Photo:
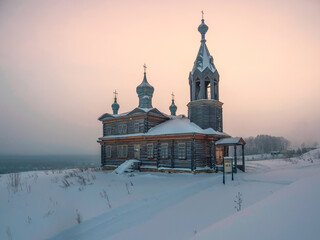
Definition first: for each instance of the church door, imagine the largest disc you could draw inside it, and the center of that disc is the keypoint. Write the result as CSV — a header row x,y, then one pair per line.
x,y
137,152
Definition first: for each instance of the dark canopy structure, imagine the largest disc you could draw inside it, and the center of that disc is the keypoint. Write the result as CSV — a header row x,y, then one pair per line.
x,y
228,142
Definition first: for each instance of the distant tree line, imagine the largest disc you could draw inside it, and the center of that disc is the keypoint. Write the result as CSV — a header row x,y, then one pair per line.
x,y
301,150
265,144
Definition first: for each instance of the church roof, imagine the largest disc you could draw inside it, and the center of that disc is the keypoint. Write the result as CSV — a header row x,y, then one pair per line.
x,y
204,60
134,111
177,125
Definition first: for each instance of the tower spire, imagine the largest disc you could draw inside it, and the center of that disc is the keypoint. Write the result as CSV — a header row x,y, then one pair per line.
x,y
204,86
204,59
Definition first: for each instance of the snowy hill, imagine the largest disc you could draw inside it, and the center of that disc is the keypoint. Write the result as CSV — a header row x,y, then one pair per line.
x,y
279,201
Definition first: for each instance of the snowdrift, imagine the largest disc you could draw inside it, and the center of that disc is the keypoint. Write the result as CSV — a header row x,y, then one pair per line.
x,y
127,166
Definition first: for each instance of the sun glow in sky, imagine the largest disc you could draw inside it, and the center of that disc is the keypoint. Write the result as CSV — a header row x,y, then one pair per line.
x,y
60,61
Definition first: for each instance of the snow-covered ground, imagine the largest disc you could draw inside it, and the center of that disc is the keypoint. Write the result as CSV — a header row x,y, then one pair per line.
x,y
280,200
263,156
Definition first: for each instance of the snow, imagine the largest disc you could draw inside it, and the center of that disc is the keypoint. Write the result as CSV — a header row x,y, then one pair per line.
x,y
120,114
292,213
127,166
109,115
146,109
280,201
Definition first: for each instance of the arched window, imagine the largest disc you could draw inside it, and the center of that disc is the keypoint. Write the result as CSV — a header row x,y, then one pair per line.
x,y
216,90
208,91
197,90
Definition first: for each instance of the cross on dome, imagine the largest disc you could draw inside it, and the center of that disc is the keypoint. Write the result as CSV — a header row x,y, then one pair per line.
x,y
145,68
115,106
115,94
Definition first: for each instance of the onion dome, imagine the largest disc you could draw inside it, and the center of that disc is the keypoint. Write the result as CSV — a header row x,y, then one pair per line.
x,y
173,107
145,93
203,28
115,106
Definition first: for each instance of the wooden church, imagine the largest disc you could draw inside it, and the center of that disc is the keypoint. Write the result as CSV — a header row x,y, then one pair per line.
x,y
171,143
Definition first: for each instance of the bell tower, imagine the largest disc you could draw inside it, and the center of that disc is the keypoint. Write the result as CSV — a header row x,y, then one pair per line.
x,y
204,108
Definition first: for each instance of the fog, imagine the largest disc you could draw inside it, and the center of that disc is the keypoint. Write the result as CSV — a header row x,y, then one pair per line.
x,y
60,61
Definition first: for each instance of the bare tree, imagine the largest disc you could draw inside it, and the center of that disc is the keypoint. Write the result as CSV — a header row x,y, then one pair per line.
x,y
65,183
29,220
9,234
78,217
104,195
14,181
127,187
238,202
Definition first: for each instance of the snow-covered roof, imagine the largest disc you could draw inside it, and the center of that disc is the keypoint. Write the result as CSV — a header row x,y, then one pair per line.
x,y
180,125
109,115
136,110
230,141
146,109
177,125
204,59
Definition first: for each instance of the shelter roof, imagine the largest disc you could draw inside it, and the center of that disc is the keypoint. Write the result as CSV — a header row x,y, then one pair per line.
x,y
231,141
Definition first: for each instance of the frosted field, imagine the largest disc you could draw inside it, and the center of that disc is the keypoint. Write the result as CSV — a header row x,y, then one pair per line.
x,y
280,200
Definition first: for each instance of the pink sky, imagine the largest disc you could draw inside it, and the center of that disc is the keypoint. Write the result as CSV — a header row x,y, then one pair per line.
x,y
60,61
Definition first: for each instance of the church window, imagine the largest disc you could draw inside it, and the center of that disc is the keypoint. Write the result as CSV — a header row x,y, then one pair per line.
x,y
122,151
150,150
108,151
122,129
136,127
164,150
182,150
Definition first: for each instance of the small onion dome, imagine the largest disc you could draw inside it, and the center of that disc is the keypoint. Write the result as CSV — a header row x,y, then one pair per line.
x,y
173,108
115,106
203,28
145,93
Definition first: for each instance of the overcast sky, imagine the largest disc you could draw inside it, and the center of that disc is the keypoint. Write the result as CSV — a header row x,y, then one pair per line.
x,y
60,61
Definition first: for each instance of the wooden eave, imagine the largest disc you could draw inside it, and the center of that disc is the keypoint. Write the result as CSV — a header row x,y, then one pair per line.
x,y
196,136
206,101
